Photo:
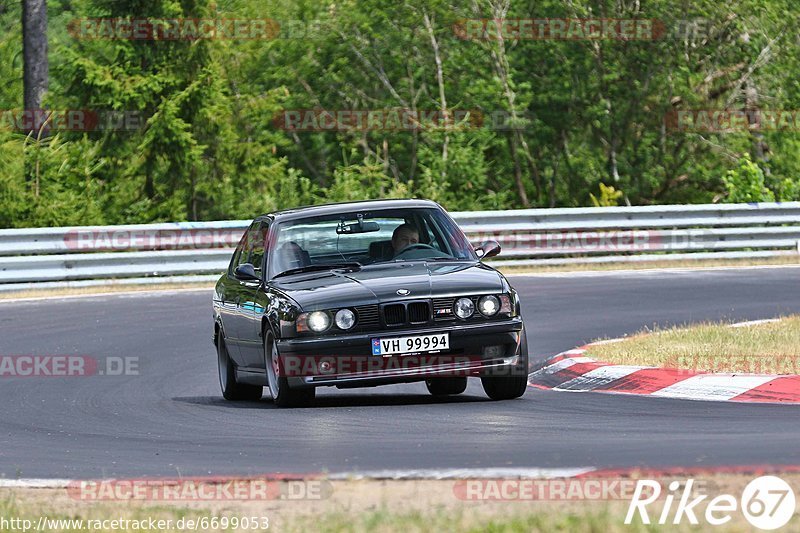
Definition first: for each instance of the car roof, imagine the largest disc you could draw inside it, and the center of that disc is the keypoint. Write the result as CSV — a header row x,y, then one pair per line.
x,y
343,207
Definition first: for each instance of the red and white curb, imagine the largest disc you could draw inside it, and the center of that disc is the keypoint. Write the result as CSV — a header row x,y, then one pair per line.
x,y
571,371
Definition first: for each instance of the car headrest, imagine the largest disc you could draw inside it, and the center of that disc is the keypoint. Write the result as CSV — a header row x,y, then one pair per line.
x,y
381,250
291,255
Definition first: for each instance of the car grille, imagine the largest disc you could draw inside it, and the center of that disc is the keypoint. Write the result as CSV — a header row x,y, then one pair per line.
x,y
418,312
443,308
413,313
407,313
368,317
394,315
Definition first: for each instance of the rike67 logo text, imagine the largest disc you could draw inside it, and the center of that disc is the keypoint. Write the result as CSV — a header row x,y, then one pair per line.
x,y
767,503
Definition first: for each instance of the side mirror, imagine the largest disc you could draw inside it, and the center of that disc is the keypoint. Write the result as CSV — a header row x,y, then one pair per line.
x,y
487,249
246,272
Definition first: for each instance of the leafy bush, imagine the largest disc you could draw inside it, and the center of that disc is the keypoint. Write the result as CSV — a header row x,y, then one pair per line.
x,y
746,183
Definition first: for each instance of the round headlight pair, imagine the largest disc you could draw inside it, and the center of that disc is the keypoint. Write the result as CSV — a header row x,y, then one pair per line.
x,y
319,321
487,305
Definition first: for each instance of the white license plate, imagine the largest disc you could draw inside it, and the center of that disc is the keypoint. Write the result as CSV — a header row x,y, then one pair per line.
x,y
412,344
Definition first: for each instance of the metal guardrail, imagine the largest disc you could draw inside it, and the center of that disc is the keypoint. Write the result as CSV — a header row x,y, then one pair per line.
x,y
147,253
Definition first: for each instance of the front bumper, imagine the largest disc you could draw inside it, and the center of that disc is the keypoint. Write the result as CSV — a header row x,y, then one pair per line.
x,y
491,348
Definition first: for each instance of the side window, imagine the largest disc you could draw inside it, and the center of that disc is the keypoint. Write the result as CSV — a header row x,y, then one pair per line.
x,y
240,255
245,247
258,245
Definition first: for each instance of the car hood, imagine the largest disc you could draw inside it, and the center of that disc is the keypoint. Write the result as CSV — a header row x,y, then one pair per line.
x,y
379,283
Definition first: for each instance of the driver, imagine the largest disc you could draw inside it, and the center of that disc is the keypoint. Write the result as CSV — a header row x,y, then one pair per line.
x,y
404,235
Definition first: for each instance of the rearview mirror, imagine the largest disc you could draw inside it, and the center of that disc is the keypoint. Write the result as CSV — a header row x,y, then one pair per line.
x,y
246,272
488,249
358,227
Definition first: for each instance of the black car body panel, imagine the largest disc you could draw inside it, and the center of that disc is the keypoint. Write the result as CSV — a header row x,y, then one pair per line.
x,y
379,283
418,294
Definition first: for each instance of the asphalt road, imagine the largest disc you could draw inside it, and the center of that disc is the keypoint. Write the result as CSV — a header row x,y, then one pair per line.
x,y
170,419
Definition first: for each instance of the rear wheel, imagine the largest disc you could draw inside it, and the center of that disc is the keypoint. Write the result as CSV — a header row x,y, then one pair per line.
x,y
446,386
231,390
282,394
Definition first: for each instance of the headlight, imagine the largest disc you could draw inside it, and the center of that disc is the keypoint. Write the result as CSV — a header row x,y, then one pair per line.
x,y
318,321
345,319
489,305
315,321
464,308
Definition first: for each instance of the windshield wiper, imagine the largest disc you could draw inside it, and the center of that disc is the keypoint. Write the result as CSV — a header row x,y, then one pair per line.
x,y
312,268
425,259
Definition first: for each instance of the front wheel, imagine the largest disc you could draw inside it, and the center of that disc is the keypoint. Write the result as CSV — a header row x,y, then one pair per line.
x,y
231,390
504,387
515,385
282,394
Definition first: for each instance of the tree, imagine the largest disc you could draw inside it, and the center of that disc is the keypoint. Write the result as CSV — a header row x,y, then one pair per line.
x,y
34,52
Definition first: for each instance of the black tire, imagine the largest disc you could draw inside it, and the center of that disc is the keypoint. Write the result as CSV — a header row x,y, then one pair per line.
x,y
446,386
231,390
505,387
510,386
282,394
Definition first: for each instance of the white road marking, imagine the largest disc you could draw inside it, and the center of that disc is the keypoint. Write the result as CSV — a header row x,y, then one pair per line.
x,y
754,322
467,473
422,473
599,377
607,341
32,483
713,386
560,365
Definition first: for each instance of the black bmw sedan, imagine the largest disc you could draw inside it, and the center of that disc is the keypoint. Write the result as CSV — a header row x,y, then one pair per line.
x,y
362,294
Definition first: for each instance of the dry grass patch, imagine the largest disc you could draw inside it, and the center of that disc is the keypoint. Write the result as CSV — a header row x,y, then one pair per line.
x,y
791,260
103,289
387,506
767,348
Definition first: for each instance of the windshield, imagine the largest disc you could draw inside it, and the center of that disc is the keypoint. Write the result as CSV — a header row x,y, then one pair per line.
x,y
367,237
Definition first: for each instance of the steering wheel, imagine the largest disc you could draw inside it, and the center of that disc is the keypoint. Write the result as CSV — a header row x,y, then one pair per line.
x,y
417,246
